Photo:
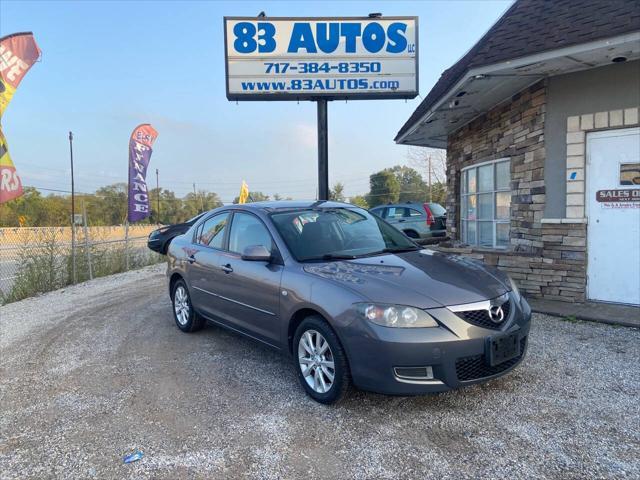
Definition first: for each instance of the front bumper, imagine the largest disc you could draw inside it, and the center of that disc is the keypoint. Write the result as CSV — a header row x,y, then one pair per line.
x,y
455,352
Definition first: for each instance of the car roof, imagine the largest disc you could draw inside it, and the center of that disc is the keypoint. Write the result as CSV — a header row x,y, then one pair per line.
x,y
272,205
407,204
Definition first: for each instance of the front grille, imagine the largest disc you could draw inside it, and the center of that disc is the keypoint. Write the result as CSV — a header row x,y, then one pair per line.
x,y
476,367
482,319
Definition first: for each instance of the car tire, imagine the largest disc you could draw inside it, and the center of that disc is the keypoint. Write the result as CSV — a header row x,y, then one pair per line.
x,y
323,383
411,234
184,315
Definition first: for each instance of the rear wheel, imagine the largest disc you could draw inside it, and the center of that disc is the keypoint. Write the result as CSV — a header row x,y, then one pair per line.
x,y
185,316
411,234
320,361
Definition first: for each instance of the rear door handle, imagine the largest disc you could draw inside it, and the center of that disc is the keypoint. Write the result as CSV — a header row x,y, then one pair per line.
x,y
226,268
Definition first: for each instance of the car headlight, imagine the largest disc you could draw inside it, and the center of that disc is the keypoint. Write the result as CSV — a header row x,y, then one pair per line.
x,y
399,316
514,289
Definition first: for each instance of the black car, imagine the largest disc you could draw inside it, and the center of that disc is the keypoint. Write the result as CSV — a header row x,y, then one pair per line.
x,y
160,238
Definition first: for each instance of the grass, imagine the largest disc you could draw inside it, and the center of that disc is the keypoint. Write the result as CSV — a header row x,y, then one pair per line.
x,y
47,263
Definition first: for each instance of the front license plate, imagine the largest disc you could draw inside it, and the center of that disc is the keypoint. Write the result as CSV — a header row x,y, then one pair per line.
x,y
503,348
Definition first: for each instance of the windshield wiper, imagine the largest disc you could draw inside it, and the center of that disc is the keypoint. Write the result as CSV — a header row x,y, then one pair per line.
x,y
399,249
392,250
330,256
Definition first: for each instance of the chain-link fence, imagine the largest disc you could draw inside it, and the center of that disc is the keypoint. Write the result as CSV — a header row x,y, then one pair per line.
x,y
36,260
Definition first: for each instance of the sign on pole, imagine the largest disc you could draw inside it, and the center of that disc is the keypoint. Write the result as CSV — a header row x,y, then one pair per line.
x,y
280,58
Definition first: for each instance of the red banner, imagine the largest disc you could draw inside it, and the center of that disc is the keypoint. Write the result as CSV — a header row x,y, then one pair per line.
x,y
18,52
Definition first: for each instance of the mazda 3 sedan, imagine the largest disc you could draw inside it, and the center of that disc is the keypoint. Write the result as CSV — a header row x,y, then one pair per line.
x,y
351,299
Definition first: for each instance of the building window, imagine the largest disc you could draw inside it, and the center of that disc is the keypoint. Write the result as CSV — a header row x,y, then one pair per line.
x,y
485,204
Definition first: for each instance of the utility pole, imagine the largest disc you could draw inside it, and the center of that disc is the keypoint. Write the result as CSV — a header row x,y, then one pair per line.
x,y
195,197
429,175
73,212
323,150
158,190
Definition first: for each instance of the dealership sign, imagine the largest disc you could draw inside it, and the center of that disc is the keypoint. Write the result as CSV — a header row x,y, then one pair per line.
x,y
621,198
311,58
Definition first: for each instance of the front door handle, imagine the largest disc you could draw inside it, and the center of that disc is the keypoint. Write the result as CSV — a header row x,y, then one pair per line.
x,y
226,268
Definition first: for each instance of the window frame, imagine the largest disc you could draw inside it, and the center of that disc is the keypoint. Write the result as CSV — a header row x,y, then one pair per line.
x,y
465,195
274,247
198,229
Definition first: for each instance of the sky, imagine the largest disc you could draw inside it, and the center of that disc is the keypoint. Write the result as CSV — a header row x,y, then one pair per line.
x,y
108,66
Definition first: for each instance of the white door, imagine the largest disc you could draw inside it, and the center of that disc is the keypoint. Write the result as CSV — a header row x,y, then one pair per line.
x,y
613,211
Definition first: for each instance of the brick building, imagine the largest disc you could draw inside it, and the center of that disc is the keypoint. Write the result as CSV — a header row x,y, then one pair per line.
x,y
540,122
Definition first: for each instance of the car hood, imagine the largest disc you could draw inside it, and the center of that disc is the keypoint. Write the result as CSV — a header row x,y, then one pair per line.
x,y
423,279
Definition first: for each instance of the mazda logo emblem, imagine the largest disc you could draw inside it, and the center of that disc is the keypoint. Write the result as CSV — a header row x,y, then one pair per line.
x,y
496,314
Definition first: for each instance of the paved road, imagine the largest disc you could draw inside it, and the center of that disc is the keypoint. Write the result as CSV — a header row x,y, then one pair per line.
x,y
92,372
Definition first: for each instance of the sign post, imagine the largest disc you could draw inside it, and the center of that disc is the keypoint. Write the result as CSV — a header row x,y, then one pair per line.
x,y
321,59
323,150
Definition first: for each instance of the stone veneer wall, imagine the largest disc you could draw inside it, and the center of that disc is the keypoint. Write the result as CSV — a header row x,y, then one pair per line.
x,y
515,130
547,257
559,273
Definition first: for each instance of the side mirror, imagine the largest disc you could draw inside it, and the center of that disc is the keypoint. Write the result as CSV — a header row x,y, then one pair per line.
x,y
256,253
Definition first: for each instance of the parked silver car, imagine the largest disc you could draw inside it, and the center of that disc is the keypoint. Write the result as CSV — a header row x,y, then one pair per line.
x,y
416,220
349,297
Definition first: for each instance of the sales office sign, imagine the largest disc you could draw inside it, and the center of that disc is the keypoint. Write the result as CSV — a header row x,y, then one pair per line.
x,y
307,58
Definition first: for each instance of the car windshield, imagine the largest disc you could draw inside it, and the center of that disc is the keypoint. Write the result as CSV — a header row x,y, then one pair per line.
x,y
337,233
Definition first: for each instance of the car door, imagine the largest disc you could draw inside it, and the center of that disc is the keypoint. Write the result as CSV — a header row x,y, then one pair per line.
x,y
203,271
251,289
394,215
416,220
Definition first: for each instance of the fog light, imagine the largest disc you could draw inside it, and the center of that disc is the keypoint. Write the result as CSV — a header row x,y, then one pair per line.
x,y
414,373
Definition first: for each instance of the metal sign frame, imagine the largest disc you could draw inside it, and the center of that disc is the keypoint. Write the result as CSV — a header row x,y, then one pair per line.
x,y
320,95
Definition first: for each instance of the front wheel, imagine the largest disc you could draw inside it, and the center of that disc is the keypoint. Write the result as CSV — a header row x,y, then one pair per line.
x,y
320,361
185,316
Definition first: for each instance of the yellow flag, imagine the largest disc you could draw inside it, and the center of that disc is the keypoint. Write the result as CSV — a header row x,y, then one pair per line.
x,y
244,193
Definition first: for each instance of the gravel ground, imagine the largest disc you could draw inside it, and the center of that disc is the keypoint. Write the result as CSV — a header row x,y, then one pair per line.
x,y
92,372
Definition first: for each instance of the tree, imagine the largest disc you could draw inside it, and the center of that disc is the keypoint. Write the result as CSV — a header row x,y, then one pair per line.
x,y
412,187
431,161
383,188
109,206
337,192
359,200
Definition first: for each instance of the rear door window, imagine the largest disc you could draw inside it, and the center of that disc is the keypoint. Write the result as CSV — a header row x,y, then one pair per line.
x,y
414,213
437,209
211,233
394,213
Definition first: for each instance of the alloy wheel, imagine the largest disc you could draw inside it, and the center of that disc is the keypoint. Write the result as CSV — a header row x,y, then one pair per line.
x,y
316,361
181,305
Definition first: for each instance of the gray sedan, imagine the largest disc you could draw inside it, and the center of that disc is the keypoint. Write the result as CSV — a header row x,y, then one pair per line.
x,y
350,298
